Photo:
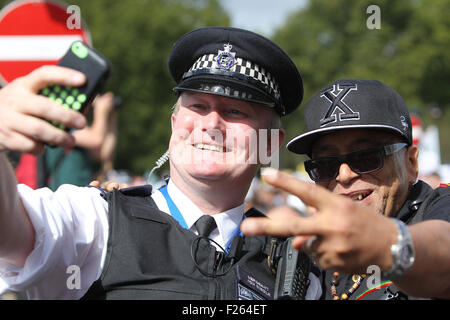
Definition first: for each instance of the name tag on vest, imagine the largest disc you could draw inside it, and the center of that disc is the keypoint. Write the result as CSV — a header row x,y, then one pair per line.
x,y
250,288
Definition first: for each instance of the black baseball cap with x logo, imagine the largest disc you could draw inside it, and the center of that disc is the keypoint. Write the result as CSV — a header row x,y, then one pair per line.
x,y
353,104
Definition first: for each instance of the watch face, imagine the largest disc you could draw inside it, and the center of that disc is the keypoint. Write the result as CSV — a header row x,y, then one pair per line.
x,y
406,256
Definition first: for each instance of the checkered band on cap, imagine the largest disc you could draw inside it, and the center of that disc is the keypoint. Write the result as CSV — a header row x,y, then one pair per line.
x,y
241,68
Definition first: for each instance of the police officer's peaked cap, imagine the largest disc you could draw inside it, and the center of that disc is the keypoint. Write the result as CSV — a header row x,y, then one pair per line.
x,y
238,64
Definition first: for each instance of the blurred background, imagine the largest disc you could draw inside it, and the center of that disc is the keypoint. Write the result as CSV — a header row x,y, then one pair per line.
x,y
326,39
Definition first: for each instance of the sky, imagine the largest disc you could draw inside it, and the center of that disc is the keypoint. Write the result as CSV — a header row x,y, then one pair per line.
x,y
262,16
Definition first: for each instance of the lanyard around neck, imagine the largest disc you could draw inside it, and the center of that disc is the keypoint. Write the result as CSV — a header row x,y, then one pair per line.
x,y
176,214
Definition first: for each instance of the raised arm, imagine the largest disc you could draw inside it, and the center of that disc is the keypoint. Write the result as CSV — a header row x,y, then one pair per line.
x,y
23,128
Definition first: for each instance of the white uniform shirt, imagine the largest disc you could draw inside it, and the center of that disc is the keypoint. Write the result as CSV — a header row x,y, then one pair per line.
x,y
71,226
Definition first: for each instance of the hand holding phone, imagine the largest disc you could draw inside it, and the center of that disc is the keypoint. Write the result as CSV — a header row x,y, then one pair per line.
x,y
24,114
96,68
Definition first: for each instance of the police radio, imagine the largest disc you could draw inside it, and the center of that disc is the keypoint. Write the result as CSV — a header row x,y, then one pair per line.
x,y
292,273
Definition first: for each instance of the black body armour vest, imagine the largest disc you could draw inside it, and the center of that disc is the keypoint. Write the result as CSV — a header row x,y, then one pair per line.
x,y
150,256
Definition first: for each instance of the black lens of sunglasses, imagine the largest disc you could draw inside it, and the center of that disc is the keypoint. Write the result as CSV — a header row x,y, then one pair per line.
x,y
322,169
327,168
366,161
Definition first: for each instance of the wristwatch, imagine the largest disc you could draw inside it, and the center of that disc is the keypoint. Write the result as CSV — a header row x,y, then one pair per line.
x,y
402,252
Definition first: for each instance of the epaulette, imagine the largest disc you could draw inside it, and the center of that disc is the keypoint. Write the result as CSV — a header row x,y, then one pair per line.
x,y
253,212
444,185
103,192
138,191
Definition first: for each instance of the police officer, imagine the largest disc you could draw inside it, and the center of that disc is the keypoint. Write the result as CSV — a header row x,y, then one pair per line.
x,y
378,232
139,243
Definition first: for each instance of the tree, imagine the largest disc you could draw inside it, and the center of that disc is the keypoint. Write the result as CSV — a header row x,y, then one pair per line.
x,y
329,40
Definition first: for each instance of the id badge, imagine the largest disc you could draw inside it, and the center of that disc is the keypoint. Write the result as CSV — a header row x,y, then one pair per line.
x,y
250,288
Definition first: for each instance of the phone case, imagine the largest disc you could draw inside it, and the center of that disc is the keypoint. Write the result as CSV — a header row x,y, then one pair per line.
x,y
96,67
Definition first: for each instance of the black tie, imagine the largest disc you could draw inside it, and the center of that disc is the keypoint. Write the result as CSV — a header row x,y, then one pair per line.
x,y
205,225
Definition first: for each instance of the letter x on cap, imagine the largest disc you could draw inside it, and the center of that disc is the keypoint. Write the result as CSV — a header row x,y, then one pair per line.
x,y
353,104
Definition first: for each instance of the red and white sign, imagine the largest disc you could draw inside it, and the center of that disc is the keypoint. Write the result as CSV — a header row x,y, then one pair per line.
x,y
417,129
35,33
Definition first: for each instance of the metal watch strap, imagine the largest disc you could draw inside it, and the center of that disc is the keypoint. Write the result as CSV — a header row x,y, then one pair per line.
x,y
402,252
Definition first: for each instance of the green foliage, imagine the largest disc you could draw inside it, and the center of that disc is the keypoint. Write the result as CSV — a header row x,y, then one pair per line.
x,y
329,40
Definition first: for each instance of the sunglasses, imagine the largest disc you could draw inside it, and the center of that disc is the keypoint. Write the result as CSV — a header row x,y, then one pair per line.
x,y
363,161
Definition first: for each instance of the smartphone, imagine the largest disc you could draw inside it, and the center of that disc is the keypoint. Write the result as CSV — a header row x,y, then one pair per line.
x,y
96,67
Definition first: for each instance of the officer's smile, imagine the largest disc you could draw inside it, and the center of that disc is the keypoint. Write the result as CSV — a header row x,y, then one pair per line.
x,y
210,147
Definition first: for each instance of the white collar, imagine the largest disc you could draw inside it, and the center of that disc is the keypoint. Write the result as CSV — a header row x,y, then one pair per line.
x,y
227,221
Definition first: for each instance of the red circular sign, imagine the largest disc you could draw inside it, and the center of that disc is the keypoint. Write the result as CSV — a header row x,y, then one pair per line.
x,y
35,33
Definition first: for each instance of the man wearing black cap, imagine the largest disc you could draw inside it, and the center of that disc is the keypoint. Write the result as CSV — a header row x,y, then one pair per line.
x,y
369,212
139,243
